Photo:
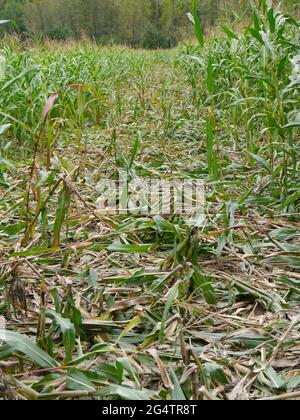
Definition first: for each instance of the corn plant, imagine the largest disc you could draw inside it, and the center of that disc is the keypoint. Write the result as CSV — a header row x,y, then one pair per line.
x,y
252,81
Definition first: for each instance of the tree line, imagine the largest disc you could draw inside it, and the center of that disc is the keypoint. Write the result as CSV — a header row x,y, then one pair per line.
x,y
139,23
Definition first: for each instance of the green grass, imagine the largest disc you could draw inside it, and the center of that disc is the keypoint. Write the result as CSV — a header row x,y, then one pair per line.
x,y
131,307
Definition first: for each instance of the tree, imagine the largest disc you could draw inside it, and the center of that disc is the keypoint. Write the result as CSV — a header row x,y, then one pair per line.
x,y
133,20
14,11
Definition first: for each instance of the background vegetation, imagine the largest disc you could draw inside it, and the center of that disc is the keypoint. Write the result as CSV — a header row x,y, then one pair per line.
x,y
146,23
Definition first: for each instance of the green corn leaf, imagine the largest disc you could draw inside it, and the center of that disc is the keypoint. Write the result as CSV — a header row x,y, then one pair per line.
x,y
68,332
205,285
198,27
134,322
21,343
211,155
216,373
272,20
61,213
177,393
255,34
210,76
292,124
267,43
135,149
263,163
256,21
131,248
5,351
78,380
127,393
277,381
172,296
230,33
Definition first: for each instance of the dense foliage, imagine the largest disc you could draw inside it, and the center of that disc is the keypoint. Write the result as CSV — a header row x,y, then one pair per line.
x,y
147,23
142,23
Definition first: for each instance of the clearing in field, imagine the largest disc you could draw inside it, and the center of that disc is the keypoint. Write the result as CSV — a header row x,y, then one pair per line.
x,y
145,305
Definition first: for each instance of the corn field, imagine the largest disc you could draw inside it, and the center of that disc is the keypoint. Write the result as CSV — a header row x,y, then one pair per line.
x,y
139,306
